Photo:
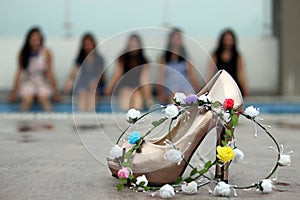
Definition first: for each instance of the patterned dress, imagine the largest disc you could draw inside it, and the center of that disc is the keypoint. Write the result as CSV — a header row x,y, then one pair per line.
x,y
34,81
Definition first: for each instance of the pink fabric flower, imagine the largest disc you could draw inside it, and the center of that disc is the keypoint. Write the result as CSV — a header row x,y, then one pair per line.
x,y
123,173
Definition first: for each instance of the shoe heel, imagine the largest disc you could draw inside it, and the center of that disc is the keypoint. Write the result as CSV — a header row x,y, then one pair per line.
x,y
222,172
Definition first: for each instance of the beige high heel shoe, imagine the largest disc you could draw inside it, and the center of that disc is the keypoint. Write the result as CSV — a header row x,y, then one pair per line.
x,y
185,136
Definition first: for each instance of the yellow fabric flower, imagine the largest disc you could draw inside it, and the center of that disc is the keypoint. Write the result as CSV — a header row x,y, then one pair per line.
x,y
225,154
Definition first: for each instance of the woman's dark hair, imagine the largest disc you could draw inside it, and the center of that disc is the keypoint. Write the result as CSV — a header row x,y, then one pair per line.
x,y
221,47
182,52
82,54
126,58
26,50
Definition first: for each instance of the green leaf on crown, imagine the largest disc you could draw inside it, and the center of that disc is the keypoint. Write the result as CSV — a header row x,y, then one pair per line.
x,y
127,164
193,172
123,180
207,165
147,188
128,154
188,179
120,187
131,177
224,143
159,122
234,119
216,104
203,171
228,132
142,184
178,180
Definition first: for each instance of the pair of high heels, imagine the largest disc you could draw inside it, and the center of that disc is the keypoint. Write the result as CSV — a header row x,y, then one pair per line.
x,y
186,136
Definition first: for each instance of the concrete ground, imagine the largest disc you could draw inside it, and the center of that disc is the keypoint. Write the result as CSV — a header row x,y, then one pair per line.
x,y
42,156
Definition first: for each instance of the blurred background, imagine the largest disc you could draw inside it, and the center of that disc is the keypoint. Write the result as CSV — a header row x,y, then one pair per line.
x,y
267,34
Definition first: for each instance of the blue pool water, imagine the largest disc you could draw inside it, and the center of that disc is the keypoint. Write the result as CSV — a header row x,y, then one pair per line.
x,y
277,108
61,108
272,108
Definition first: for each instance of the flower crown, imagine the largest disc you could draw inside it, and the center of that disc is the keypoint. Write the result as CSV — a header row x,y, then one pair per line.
x,y
227,153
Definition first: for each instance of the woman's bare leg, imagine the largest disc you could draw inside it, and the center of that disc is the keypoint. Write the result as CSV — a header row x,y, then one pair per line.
x,y
136,100
91,96
130,98
45,103
26,103
124,98
82,101
91,101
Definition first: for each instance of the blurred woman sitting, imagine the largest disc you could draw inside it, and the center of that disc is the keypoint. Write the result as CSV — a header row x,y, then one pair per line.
x,y
227,57
35,77
90,64
176,74
133,74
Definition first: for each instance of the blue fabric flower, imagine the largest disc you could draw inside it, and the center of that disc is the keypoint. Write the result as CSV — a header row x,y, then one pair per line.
x,y
134,137
191,99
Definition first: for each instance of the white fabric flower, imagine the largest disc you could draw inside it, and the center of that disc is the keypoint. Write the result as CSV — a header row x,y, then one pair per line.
x,y
140,179
226,117
132,115
285,160
189,188
205,98
174,155
251,111
266,186
222,189
179,97
166,192
171,111
238,155
116,151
